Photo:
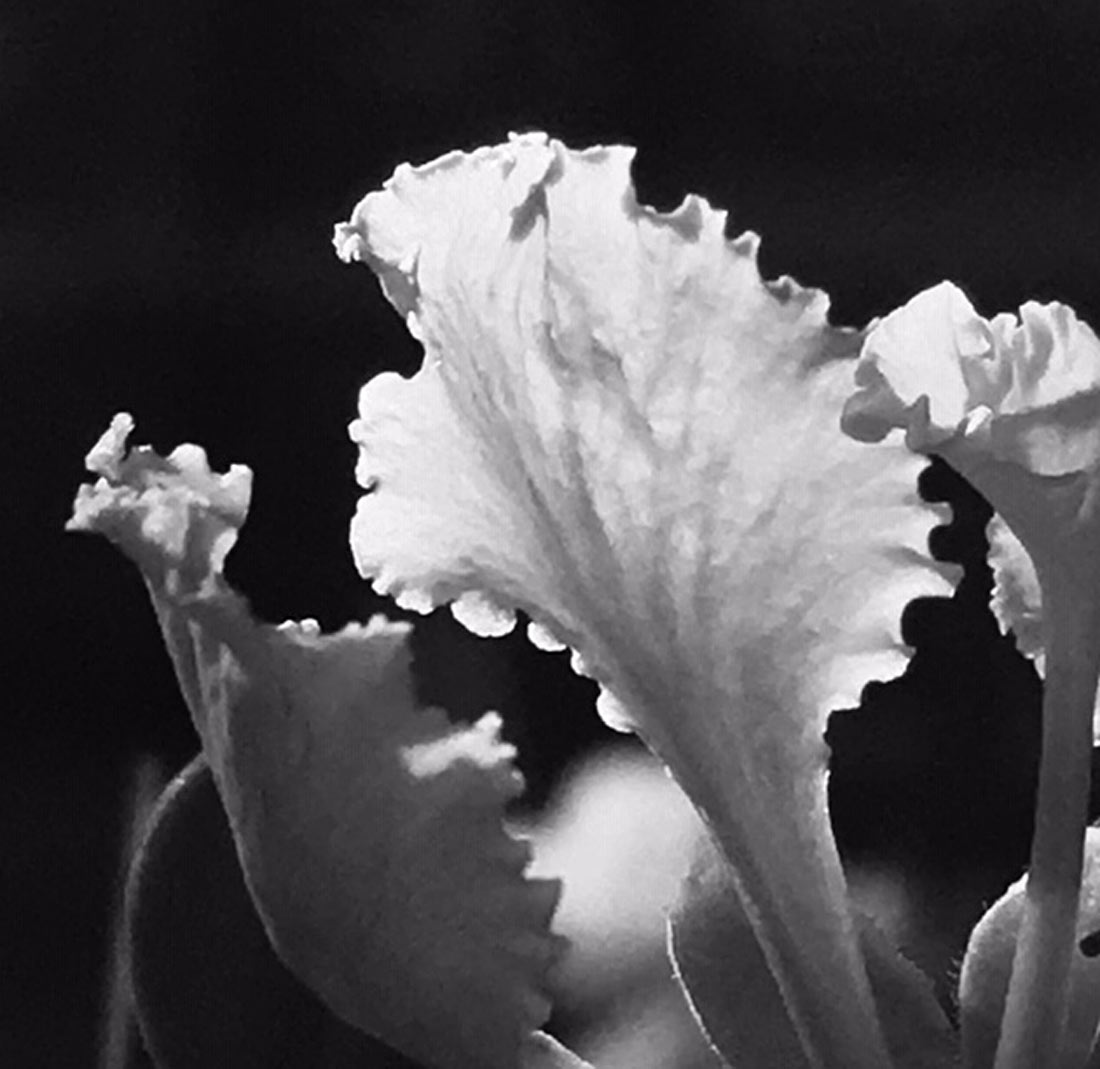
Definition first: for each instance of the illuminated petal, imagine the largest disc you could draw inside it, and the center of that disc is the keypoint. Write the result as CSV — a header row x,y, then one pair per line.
x,y
1017,599
621,430
370,832
1013,405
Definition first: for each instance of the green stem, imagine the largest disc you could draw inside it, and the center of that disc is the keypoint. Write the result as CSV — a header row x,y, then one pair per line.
x,y
1035,1010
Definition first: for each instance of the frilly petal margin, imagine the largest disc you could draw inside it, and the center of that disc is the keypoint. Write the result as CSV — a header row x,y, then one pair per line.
x,y
1012,403
370,832
620,429
1017,600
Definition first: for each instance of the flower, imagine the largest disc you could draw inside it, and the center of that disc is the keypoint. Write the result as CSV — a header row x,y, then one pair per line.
x,y
622,431
370,832
1014,406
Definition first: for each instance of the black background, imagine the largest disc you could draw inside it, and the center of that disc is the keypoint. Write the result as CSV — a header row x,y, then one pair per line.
x,y
170,177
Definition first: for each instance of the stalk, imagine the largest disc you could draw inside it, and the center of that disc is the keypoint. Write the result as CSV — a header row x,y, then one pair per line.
x,y
1033,1028
785,865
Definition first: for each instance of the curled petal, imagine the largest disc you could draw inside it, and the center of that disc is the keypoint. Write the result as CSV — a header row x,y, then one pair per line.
x,y
370,831
620,429
1013,404
174,517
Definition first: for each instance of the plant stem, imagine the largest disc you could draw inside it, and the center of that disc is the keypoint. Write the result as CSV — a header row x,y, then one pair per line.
x,y
784,863
1035,1009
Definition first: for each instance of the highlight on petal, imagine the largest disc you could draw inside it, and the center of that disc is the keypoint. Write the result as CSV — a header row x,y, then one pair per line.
x,y
938,351
370,832
1017,599
621,430
174,517
1012,404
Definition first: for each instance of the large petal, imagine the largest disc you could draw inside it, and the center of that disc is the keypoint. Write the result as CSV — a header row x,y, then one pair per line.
x,y
621,430
370,832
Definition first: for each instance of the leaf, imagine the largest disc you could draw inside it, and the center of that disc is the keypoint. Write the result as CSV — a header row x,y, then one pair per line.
x,y
208,987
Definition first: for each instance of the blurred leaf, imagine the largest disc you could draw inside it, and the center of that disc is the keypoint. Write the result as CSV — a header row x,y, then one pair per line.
x,y
208,988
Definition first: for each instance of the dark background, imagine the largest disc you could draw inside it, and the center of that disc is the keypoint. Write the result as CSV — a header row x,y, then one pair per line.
x,y
170,177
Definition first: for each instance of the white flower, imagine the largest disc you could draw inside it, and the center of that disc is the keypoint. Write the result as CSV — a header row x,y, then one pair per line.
x,y
622,431
370,832
1014,406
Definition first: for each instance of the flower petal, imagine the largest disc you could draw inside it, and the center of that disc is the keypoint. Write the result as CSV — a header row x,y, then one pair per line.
x,y
1017,600
1013,405
621,430
370,832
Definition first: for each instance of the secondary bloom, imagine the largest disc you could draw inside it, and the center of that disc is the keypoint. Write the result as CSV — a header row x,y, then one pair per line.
x,y
622,431
370,832
1014,405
